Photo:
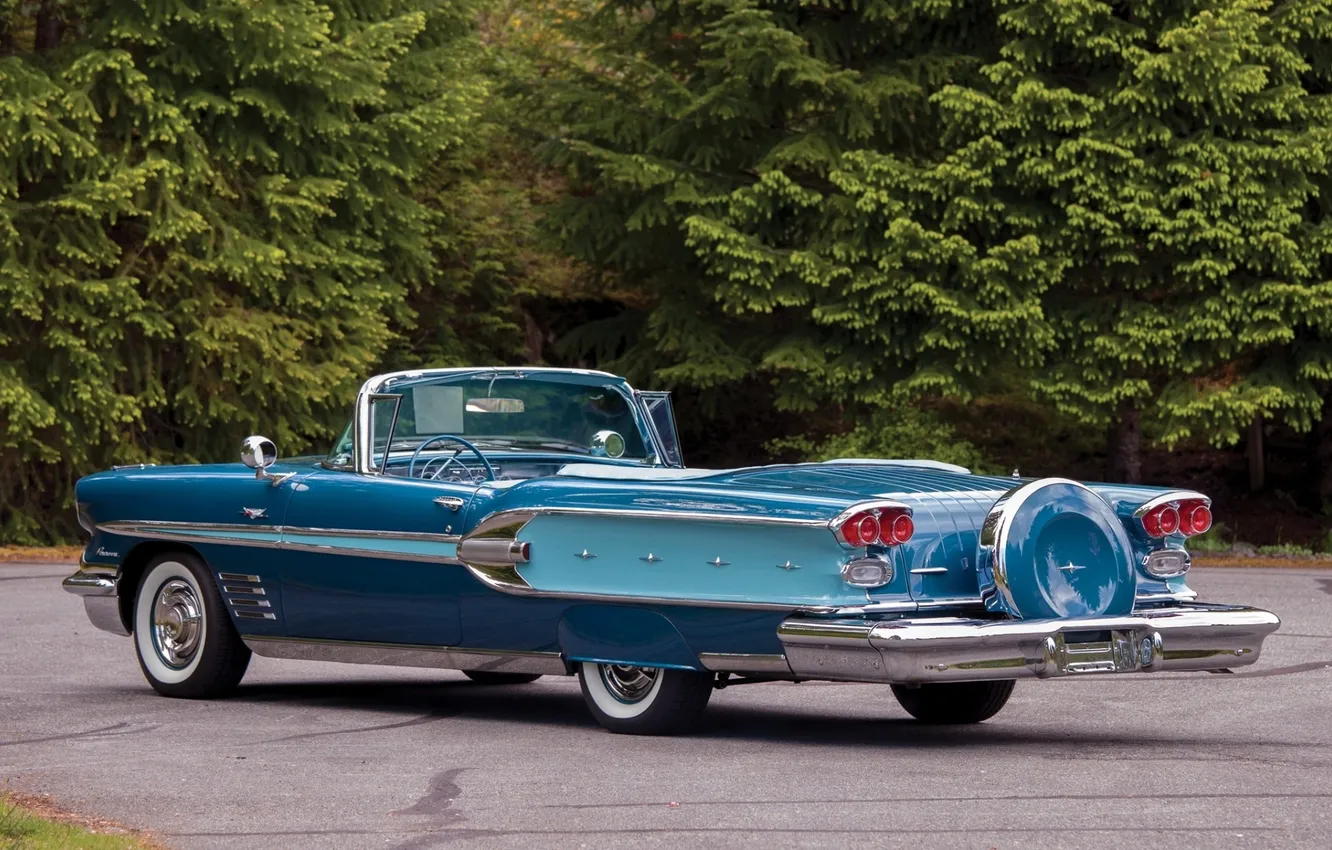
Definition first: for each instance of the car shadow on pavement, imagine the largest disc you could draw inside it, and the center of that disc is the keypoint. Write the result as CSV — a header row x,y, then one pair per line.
x,y
417,703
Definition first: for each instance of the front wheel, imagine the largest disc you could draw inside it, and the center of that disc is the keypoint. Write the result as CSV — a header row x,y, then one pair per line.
x,y
954,702
186,643
644,700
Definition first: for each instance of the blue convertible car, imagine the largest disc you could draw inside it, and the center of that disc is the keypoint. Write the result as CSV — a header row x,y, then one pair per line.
x,y
513,523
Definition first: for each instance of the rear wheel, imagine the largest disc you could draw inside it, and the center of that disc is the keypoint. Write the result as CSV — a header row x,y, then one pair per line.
x,y
644,700
954,702
186,643
488,677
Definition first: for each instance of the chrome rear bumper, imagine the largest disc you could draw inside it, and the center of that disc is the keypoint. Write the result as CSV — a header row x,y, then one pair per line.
x,y
947,649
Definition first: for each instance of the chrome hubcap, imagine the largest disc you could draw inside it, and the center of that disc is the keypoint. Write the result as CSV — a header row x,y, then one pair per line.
x,y
628,684
177,623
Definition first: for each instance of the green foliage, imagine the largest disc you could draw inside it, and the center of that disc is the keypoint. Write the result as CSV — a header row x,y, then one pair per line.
x,y
907,433
1286,549
1212,541
871,202
212,223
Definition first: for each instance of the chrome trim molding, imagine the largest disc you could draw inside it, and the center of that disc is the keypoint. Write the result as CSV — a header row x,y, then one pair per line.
x,y
251,603
741,662
870,505
1185,595
85,583
407,655
643,513
238,577
1166,563
256,591
1166,498
287,537
104,613
255,615
929,571
97,585
1182,638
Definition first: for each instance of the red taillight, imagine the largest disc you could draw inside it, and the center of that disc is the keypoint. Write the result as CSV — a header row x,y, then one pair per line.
x,y
1187,517
1199,520
862,530
877,527
902,528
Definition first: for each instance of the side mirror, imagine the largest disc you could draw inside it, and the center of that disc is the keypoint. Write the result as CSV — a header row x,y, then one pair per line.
x,y
607,444
259,453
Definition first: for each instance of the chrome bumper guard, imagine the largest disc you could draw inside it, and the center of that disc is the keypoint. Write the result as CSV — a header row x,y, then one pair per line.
x,y
96,583
948,649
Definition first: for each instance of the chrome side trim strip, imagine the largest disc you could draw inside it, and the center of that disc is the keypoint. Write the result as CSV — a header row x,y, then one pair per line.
x,y
929,571
255,591
255,615
288,537
238,577
740,662
195,532
642,513
408,655
251,603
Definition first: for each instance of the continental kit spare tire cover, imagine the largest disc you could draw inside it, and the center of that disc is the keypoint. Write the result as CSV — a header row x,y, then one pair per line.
x,y
1053,548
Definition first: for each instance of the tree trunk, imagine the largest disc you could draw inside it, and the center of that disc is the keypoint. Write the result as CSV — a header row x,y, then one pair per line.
x,y
1257,469
47,36
1124,444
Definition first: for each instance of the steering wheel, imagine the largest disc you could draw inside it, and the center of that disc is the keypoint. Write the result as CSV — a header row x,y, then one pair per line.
x,y
411,467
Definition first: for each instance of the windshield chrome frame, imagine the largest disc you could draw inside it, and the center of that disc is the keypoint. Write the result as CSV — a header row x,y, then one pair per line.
x,y
363,450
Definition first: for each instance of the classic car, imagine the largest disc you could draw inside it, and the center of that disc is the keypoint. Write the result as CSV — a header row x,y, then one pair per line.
x,y
518,522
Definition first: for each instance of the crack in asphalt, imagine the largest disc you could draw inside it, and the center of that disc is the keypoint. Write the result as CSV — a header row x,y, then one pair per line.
x,y
416,721
112,731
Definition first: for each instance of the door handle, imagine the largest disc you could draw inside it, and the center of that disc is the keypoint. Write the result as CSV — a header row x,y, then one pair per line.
x,y
453,503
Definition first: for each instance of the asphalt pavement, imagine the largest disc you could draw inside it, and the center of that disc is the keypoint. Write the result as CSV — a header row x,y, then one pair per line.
x,y
312,755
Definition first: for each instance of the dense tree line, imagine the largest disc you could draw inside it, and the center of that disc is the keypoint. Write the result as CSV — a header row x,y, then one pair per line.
x,y
1055,230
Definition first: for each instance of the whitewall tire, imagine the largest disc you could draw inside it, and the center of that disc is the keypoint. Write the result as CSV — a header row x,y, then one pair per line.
x,y
644,700
186,643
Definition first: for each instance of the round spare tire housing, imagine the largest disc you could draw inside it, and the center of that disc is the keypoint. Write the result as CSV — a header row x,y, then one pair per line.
x,y
1053,548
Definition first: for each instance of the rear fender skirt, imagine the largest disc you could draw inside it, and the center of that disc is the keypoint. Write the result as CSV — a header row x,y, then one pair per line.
x,y
619,635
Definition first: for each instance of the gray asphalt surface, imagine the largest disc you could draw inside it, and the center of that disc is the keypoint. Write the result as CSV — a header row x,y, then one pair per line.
x,y
327,756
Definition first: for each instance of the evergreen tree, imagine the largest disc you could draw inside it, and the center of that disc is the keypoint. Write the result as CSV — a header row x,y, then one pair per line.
x,y
212,221
872,201
1178,156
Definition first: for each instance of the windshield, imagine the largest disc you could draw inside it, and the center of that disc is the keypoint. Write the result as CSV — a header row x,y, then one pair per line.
x,y
500,411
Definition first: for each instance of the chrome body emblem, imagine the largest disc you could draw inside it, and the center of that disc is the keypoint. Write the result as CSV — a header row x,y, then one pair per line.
x,y
585,555
254,513
105,554
788,566
718,562
651,558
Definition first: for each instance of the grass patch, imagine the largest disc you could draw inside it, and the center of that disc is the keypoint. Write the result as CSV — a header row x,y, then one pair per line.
x,y
32,823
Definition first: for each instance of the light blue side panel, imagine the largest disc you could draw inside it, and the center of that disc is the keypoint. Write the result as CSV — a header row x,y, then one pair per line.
x,y
684,557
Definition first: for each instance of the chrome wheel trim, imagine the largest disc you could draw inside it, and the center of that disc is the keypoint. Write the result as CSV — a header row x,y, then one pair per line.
x,y
177,624
627,684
